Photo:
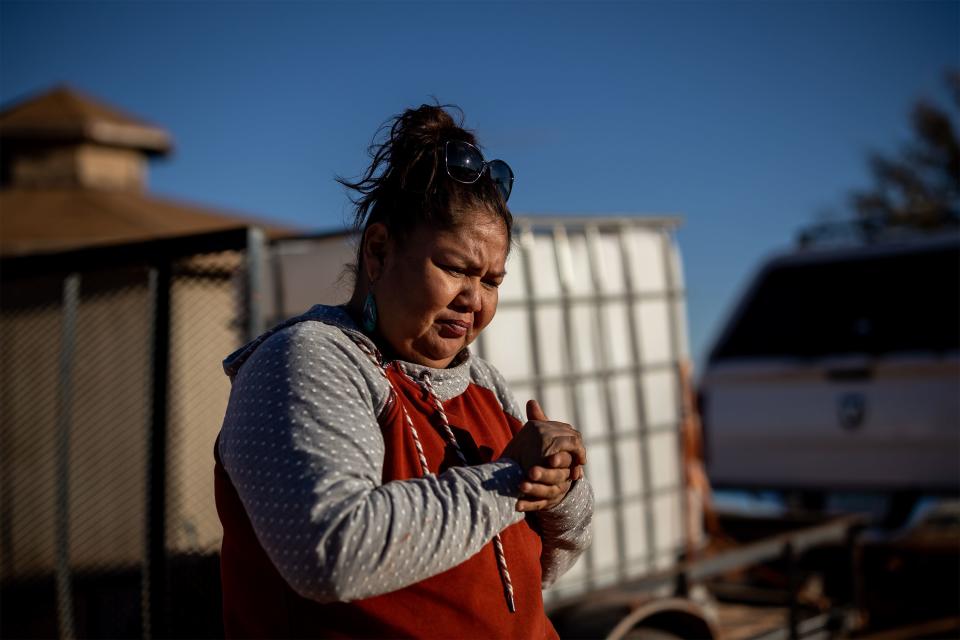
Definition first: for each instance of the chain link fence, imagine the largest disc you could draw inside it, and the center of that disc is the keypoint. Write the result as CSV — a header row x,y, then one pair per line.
x,y
111,397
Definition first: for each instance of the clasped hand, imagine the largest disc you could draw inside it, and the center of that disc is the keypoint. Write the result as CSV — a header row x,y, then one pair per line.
x,y
551,455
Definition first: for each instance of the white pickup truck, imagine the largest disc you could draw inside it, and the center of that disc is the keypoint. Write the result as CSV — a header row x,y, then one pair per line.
x,y
839,373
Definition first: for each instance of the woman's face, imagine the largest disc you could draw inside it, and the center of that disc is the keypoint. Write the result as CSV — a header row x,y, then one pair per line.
x,y
437,290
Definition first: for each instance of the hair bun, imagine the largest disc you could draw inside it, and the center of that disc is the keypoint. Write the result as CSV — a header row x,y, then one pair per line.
x,y
429,120
422,129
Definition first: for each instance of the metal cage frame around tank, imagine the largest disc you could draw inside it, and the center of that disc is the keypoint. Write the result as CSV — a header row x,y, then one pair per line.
x,y
558,231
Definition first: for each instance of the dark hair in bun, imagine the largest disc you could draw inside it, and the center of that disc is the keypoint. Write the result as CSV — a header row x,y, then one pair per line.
x,y
406,184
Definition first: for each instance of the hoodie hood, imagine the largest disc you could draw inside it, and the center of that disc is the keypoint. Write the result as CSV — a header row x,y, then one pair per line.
x,y
336,316
448,382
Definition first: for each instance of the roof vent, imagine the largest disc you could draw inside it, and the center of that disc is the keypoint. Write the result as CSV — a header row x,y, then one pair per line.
x,y
64,139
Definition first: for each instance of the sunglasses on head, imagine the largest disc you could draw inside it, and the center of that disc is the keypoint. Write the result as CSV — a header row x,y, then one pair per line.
x,y
465,164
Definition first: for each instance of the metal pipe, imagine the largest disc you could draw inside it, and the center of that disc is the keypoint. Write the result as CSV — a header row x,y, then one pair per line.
x,y
639,495
603,357
536,361
156,566
674,357
832,531
793,590
667,427
255,268
146,619
68,337
573,377
590,298
572,366
279,290
643,429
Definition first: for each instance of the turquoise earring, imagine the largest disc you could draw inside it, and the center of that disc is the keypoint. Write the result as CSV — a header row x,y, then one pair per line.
x,y
369,315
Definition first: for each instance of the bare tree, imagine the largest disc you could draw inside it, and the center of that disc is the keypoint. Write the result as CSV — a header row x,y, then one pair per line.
x,y
919,187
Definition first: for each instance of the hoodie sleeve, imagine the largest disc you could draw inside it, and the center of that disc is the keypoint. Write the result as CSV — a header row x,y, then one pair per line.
x,y
302,446
566,528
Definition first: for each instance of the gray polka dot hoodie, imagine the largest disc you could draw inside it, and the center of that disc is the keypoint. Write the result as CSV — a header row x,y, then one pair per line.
x,y
337,507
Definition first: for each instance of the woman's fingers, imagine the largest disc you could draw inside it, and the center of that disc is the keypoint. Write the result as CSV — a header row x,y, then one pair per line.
x,y
532,505
558,460
562,455
549,475
571,443
540,491
534,412
558,431
540,496
545,443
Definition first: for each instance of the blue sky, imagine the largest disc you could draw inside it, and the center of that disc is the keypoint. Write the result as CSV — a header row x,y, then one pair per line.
x,y
746,118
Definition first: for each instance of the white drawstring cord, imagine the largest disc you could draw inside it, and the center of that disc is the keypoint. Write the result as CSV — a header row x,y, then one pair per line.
x,y
425,384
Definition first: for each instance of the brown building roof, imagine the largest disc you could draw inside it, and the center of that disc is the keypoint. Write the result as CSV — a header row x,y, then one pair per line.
x,y
35,221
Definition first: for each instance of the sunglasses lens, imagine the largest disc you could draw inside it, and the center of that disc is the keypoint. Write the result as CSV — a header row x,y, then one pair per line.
x,y
502,176
464,161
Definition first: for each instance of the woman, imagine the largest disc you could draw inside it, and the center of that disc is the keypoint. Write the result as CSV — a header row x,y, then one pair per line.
x,y
374,478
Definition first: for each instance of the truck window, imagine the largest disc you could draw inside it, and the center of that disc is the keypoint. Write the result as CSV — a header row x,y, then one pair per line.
x,y
906,302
